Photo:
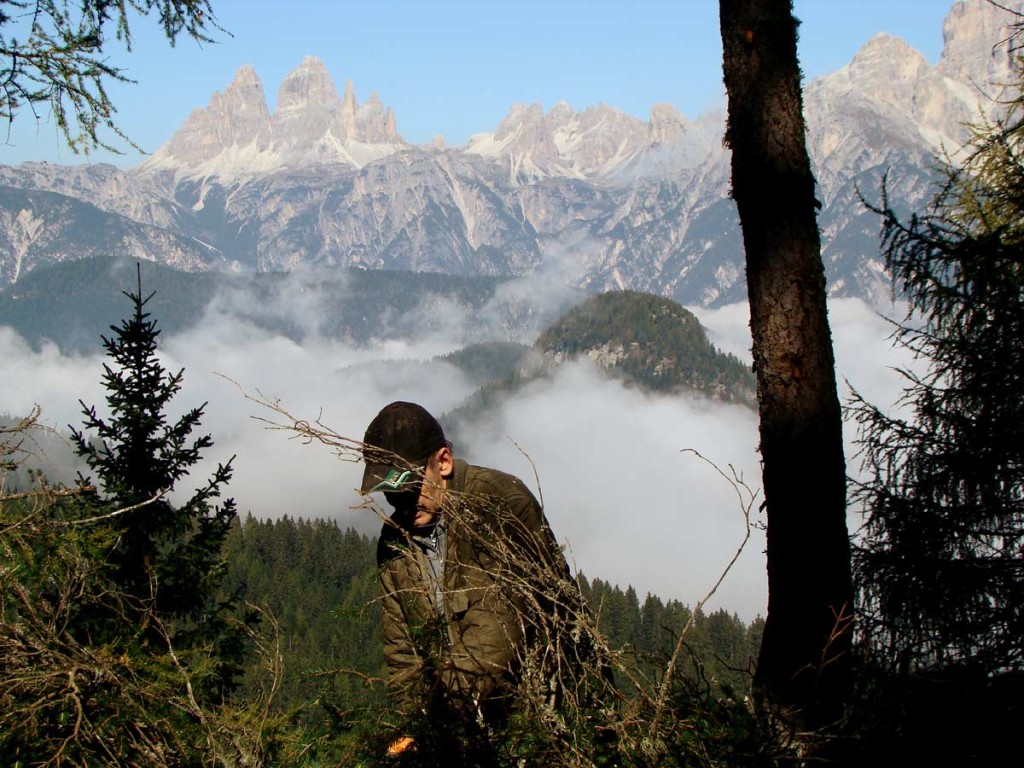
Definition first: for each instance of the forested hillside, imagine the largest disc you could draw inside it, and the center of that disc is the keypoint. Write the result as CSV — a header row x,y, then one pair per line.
x,y
72,303
318,585
646,341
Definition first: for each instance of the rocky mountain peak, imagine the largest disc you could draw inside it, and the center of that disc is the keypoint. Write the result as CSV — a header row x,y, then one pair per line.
x,y
525,141
888,96
350,94
308,107
595,142
618,201
977,43
599,140
246,76
312,124
347,116
560,114
886,56
666,126
236,118
375,123
520,117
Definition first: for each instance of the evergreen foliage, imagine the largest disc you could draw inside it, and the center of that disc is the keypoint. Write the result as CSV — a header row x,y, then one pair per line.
x,y
118,697
720,648
167,558
489,361
43,453
324,684
319,583
53,53
652,341
941,565
92,673
649,341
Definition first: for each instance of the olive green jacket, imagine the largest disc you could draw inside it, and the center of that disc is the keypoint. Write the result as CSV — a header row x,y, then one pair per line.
x,y
499,560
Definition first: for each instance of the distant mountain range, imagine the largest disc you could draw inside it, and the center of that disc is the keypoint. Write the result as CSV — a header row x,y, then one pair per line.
x,y
71,304
595,198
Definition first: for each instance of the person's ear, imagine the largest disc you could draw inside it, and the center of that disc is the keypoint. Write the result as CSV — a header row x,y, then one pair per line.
x,y
445,461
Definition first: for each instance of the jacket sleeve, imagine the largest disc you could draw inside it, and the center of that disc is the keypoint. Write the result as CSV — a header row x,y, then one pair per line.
x,y
399,653
401,610
527,529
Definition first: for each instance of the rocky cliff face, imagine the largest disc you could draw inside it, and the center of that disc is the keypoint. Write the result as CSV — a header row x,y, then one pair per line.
x,y
235,135
235,121
597,197
594,143
978,49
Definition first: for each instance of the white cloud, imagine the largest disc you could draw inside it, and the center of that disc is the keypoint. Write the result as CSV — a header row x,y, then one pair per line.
x,y
618,489
48,378
620,492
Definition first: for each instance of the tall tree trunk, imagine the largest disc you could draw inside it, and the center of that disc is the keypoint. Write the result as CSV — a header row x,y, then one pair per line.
x,y
804,658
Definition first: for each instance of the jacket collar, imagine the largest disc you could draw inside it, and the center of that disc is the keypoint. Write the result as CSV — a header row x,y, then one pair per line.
x,y
457,482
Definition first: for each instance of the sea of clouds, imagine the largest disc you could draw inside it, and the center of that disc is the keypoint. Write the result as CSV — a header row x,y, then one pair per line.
x,y
621,484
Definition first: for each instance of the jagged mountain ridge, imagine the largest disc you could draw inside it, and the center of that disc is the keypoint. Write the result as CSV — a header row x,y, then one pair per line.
x,y
599,198
237,134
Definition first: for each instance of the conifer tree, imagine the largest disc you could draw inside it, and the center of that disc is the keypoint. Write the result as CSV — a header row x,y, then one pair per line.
x,y
57,54
167,561
941,566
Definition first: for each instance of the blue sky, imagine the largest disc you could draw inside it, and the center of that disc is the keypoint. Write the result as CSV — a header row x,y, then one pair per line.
x,y
456,67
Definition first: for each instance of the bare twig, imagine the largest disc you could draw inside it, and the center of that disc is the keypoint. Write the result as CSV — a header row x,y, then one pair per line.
x,y
746,498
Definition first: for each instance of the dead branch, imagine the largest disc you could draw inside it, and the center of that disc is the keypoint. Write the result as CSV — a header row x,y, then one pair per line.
x,y
746,499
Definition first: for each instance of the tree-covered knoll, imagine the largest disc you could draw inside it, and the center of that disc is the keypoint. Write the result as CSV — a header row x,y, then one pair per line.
x,y
488,361
649,341
652,341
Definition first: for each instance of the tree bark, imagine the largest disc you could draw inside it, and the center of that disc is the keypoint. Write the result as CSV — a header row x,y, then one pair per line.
x,y
804,656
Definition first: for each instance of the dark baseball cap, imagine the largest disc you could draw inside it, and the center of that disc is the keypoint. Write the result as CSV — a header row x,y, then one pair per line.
x,y
396,447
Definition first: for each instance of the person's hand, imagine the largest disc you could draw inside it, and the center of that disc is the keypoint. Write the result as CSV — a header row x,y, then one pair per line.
x,y
400,745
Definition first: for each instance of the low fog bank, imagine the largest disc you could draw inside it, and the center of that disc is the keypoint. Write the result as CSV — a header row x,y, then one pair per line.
x,y
313,303
866,358
631,506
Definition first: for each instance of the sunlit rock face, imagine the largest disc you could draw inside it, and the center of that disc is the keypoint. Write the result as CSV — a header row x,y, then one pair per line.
x,y
595,197
236,136
235,119
978,48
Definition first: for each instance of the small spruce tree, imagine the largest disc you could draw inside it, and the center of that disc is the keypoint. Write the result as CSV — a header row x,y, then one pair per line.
x,y
167,561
